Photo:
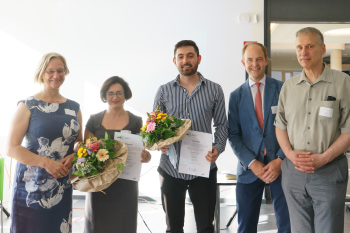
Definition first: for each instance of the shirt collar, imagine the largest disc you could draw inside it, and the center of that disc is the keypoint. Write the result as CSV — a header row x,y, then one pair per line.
x,y
326,76
201,79
252,83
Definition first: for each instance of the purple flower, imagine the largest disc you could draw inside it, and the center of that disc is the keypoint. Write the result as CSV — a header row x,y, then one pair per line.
x,y
81,160
89,151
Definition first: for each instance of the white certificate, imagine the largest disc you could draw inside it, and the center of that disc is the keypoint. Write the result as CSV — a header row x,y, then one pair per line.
x,y
194,148
132,167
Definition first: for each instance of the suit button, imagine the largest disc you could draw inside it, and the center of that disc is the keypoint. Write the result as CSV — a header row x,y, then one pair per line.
x,y
264,136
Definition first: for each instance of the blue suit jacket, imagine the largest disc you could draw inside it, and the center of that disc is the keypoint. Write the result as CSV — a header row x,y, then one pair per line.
x,y
246,137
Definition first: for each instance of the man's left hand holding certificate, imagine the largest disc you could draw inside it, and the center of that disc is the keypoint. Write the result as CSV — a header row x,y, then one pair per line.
x,y
132,168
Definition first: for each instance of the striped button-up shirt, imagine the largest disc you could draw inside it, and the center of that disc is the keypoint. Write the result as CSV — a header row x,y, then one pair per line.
x,y
204,105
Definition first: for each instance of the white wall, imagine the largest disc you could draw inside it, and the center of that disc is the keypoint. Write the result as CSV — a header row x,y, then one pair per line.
x,y
133,39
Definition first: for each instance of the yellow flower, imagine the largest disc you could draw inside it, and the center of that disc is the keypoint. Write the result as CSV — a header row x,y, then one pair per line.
x,y
82,152
92,139
102,155
161,116
144,128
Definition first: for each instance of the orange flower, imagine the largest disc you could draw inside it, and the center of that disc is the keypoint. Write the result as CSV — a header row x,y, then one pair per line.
x,y
102,155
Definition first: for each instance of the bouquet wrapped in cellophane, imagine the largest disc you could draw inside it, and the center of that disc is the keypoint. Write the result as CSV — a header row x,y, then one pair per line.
x,y
98,163
162,130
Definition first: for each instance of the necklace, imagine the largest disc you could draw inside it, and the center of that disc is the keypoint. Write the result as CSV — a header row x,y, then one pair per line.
x,y
59,99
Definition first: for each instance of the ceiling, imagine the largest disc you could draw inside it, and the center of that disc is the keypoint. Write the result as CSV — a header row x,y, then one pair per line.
x,y
283,44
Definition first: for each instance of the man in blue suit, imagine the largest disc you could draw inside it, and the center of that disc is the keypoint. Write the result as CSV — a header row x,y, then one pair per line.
x,y
251,114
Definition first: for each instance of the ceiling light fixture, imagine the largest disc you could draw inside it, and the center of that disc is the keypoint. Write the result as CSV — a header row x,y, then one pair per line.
x,y
273,27
338,32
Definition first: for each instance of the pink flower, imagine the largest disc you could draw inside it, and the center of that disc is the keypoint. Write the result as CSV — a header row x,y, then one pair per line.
x,y
150,127
93,145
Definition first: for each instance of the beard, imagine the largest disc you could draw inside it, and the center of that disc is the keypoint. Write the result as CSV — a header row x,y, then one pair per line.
x,y
189,72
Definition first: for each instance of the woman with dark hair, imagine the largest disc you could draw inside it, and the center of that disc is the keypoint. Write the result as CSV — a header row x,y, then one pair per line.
x,y
114,209
50,124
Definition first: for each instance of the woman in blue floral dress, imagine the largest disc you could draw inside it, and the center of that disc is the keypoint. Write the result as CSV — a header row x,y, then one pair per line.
x,y
50,124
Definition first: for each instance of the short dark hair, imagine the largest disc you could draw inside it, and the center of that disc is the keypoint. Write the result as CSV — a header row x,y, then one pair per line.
x,y
311,30
186,43
263,47
113,80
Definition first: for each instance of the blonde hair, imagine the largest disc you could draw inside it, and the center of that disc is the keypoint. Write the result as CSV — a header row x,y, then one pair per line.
x,y
263,48
45,60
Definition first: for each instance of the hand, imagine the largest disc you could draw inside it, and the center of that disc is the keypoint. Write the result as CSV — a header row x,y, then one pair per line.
x,y
145,156
314,161
68,161
272,170
213,155
293,156
257,168
164,149
56,169
302,160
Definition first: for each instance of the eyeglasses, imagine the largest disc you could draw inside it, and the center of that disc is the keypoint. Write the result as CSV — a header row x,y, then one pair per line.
x,y
112,94
59,71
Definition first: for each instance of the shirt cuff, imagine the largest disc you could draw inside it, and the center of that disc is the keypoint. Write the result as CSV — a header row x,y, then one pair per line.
x,y
280,125
251,163
219,148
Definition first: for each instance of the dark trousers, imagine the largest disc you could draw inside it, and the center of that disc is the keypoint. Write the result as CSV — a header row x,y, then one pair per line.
x,y
249,197
202,192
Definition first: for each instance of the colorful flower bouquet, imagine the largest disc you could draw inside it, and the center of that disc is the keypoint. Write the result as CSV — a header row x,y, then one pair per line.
x,y
98,163
162,130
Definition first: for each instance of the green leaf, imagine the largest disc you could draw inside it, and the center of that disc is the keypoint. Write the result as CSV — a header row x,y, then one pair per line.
x,y
94,172
120,167
168,134
167,121
107,136
179,122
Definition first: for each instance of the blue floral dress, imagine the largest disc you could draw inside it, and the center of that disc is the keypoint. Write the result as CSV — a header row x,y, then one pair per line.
x,y
41,203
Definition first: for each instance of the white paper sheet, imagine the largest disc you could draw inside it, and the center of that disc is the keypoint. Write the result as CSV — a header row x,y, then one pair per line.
x,y
194,148
133,165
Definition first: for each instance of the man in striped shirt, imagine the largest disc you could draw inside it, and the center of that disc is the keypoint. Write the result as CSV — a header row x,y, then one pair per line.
x,y
191,96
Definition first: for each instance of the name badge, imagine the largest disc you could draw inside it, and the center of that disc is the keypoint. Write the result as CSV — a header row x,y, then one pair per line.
x,y
274,109
69,112
326,112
